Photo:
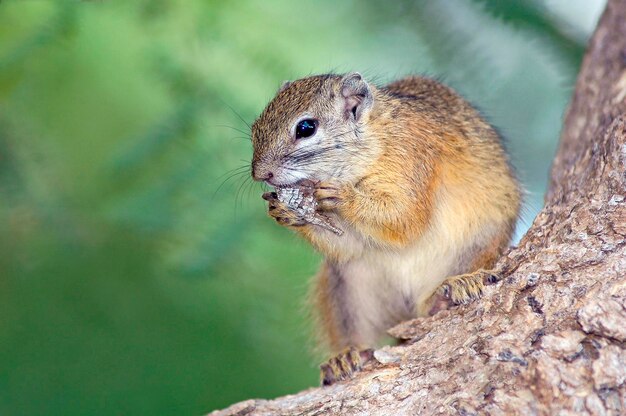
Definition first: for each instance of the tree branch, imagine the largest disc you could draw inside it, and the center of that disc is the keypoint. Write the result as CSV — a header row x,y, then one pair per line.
x,y
551,337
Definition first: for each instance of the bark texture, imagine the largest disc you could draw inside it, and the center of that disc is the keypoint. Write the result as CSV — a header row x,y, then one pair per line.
x,y
551,337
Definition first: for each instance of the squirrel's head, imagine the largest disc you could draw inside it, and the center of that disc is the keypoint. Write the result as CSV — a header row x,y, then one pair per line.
x,y
315,128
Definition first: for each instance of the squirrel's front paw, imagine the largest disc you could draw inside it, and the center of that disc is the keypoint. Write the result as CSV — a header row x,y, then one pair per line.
x,y
328,196
344,365
281,212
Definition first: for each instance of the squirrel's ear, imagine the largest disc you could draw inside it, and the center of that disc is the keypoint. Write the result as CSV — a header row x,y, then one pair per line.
x,y
284,85
357,95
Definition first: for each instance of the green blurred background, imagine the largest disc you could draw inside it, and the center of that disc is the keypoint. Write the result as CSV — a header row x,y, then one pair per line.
x,y
138,271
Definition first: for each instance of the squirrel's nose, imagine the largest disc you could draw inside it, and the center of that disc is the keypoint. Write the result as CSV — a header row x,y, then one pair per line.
x,y
260,174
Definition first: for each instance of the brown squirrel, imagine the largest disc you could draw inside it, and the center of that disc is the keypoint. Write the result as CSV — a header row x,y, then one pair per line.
x,y
418,181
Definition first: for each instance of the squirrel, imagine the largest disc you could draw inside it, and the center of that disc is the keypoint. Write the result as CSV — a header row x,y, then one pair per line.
x,y
415,177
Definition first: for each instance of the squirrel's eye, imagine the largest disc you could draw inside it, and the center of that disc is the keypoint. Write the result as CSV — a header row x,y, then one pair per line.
x,y
306,128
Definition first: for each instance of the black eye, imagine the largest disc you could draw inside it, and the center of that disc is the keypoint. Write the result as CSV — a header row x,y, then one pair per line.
x,y
306,128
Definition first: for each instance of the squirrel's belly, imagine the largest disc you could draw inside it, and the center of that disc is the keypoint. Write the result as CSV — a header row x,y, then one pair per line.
x,y
414,273
385,288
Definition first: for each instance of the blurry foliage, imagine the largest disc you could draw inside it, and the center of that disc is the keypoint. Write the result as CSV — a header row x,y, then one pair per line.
x,y
532,17
139,273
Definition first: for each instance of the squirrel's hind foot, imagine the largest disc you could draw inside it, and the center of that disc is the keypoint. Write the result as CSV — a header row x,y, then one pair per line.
x,y
344,365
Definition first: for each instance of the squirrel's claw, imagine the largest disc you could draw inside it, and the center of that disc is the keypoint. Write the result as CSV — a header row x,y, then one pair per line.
x,y
462,289
281,212
344,365
328,196
269,196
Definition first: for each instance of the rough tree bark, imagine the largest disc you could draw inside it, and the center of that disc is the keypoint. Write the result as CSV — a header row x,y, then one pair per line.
x,y
551,337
